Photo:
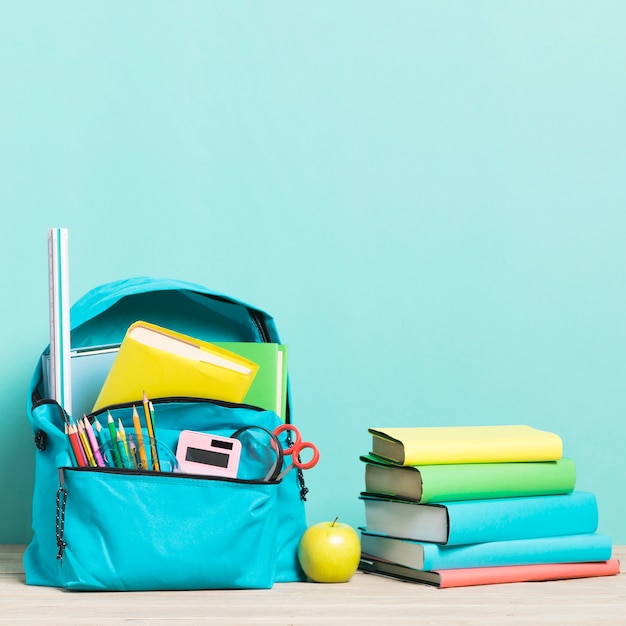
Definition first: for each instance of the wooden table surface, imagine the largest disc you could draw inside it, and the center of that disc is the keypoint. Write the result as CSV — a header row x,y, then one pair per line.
x,y
366,599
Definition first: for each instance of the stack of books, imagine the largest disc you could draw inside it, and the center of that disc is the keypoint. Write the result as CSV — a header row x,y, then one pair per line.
x,y
460,506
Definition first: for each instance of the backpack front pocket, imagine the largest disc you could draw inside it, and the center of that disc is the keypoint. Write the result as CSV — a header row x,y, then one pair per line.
x,y
121,530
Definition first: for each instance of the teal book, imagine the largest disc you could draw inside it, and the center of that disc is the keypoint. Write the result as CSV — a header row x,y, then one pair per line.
x,y
268,389
431,556
468,481
477,521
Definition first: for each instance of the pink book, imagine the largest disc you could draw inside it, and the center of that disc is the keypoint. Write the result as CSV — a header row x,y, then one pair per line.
x,y
525,573
446,578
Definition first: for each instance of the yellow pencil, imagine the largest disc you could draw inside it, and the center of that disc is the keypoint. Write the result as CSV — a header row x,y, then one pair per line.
x,y
156,451
143,457
122,433
82,435
150,426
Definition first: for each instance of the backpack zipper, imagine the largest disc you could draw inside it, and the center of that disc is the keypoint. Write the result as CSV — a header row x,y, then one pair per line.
x,y
133,472
175,399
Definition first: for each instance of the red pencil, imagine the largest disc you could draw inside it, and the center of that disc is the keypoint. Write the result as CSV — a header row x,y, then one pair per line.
x,y
77,447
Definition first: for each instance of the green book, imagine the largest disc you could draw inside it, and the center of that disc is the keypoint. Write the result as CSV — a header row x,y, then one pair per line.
x,y
269,387
468,481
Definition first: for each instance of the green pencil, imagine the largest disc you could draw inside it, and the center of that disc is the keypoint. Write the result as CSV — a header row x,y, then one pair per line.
x,y
122,450
117,461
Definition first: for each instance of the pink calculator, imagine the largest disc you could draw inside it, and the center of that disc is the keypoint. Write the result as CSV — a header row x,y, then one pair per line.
x,y
212,455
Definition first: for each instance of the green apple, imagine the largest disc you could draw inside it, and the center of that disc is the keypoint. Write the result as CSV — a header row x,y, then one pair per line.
x,y
329,552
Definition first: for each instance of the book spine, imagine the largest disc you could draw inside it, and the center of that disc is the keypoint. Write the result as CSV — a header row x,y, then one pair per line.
x,y
564,549
521,518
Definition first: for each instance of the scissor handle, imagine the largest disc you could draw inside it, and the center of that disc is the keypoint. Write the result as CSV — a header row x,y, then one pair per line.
x,y
297,448
296,435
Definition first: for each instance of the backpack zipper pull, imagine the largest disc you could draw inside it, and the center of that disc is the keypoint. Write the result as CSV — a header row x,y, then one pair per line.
x,y
61,501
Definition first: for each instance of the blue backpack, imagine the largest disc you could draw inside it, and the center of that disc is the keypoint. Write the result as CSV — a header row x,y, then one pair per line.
x,y
96,529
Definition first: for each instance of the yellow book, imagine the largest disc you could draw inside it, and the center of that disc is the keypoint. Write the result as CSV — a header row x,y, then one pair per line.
x,y
465,444
165,363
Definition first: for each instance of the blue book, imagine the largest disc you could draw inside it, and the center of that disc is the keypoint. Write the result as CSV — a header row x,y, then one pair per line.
x,y
583,548
478,521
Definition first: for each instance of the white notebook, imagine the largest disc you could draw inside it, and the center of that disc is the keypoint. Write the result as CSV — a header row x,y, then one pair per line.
x,y
89,369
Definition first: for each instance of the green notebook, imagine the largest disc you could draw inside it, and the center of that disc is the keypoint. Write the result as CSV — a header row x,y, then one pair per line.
x,y
269,387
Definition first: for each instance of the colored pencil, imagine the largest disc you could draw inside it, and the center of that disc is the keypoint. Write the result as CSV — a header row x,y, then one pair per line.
x,y
92,441
73,458
82,435
143,458
79,453
156,450
122,433
102,440
69,444
117,461
149,412
97,426
133,452
122,451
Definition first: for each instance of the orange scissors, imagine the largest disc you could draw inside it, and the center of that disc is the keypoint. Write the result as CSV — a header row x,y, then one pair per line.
x,y
294,449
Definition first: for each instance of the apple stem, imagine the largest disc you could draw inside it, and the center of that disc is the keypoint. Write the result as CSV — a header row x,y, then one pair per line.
x,y
335,521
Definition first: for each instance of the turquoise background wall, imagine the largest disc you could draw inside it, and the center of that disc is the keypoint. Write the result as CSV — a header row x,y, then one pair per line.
x,y
430,198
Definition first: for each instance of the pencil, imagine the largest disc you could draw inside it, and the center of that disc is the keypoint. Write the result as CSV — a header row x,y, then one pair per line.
x,y
113,434
134,461
97,426
122,451
150,425
101,438
82,435
156,451
142,461
92,441
122,433
73,458
81,460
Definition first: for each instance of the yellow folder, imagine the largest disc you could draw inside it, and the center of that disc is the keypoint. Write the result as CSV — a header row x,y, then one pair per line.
x,y
165,363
